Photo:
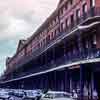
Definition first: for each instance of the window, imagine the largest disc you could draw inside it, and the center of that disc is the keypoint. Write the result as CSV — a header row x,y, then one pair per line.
x,y
57,19
78,13
72,20
52,35
41,44
29,49
54,21
55,32
64,9
58,29
66,23
49,37
71,2
92,3
63,26
61,11
44,41
85,8
66,5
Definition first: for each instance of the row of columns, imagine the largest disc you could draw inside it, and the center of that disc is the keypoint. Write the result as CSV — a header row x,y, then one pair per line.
x,y
57,80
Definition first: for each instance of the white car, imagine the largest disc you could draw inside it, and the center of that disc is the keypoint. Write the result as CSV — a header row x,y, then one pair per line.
x,y
4,95
57,95
29,94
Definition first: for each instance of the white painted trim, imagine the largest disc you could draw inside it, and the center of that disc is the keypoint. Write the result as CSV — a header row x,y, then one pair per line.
x,y
88,26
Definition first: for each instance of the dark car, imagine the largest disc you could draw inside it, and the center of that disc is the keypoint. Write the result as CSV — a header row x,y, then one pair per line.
x,y
32,95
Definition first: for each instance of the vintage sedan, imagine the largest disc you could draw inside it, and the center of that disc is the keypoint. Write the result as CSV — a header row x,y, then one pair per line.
x,y
57,95
32,94
4,95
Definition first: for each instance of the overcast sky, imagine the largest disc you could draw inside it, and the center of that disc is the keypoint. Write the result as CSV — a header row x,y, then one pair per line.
x,y
18,20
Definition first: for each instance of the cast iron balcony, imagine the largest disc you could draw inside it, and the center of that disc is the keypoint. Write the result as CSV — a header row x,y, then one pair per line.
x,y
90,54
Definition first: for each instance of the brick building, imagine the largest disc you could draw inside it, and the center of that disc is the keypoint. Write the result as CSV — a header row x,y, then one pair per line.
x,y
63,54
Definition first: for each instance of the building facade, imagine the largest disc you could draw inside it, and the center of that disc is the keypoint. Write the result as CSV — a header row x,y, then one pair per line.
x,y
63,54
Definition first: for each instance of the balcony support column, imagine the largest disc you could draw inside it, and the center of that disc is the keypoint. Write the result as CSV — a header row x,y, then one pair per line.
x,y
46,58
92,88
92,84
80,45
65,50
71,82
53,56
81,82
55,87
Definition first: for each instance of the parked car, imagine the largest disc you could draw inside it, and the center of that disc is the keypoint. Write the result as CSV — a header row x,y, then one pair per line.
x,y
17,93
57,95
4,95
32,94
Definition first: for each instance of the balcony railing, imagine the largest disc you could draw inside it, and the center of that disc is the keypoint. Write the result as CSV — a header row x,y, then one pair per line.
x,y
26,59
88,54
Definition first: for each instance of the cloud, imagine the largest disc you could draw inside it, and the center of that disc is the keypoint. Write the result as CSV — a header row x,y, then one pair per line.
x,y
19,19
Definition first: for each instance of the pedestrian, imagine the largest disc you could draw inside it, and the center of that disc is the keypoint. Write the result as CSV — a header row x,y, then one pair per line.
x,y
95,95
75,96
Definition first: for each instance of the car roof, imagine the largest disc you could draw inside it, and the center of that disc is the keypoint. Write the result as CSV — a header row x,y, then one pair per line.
x,y
58,92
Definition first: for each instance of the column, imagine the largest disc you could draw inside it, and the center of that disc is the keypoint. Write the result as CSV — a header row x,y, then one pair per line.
x,y
65,51
53,54
46,58
71,82
80,45
81,82
67,80
55,80
92,83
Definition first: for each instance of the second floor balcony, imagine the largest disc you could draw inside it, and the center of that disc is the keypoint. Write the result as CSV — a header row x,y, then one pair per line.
x,y
82,57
